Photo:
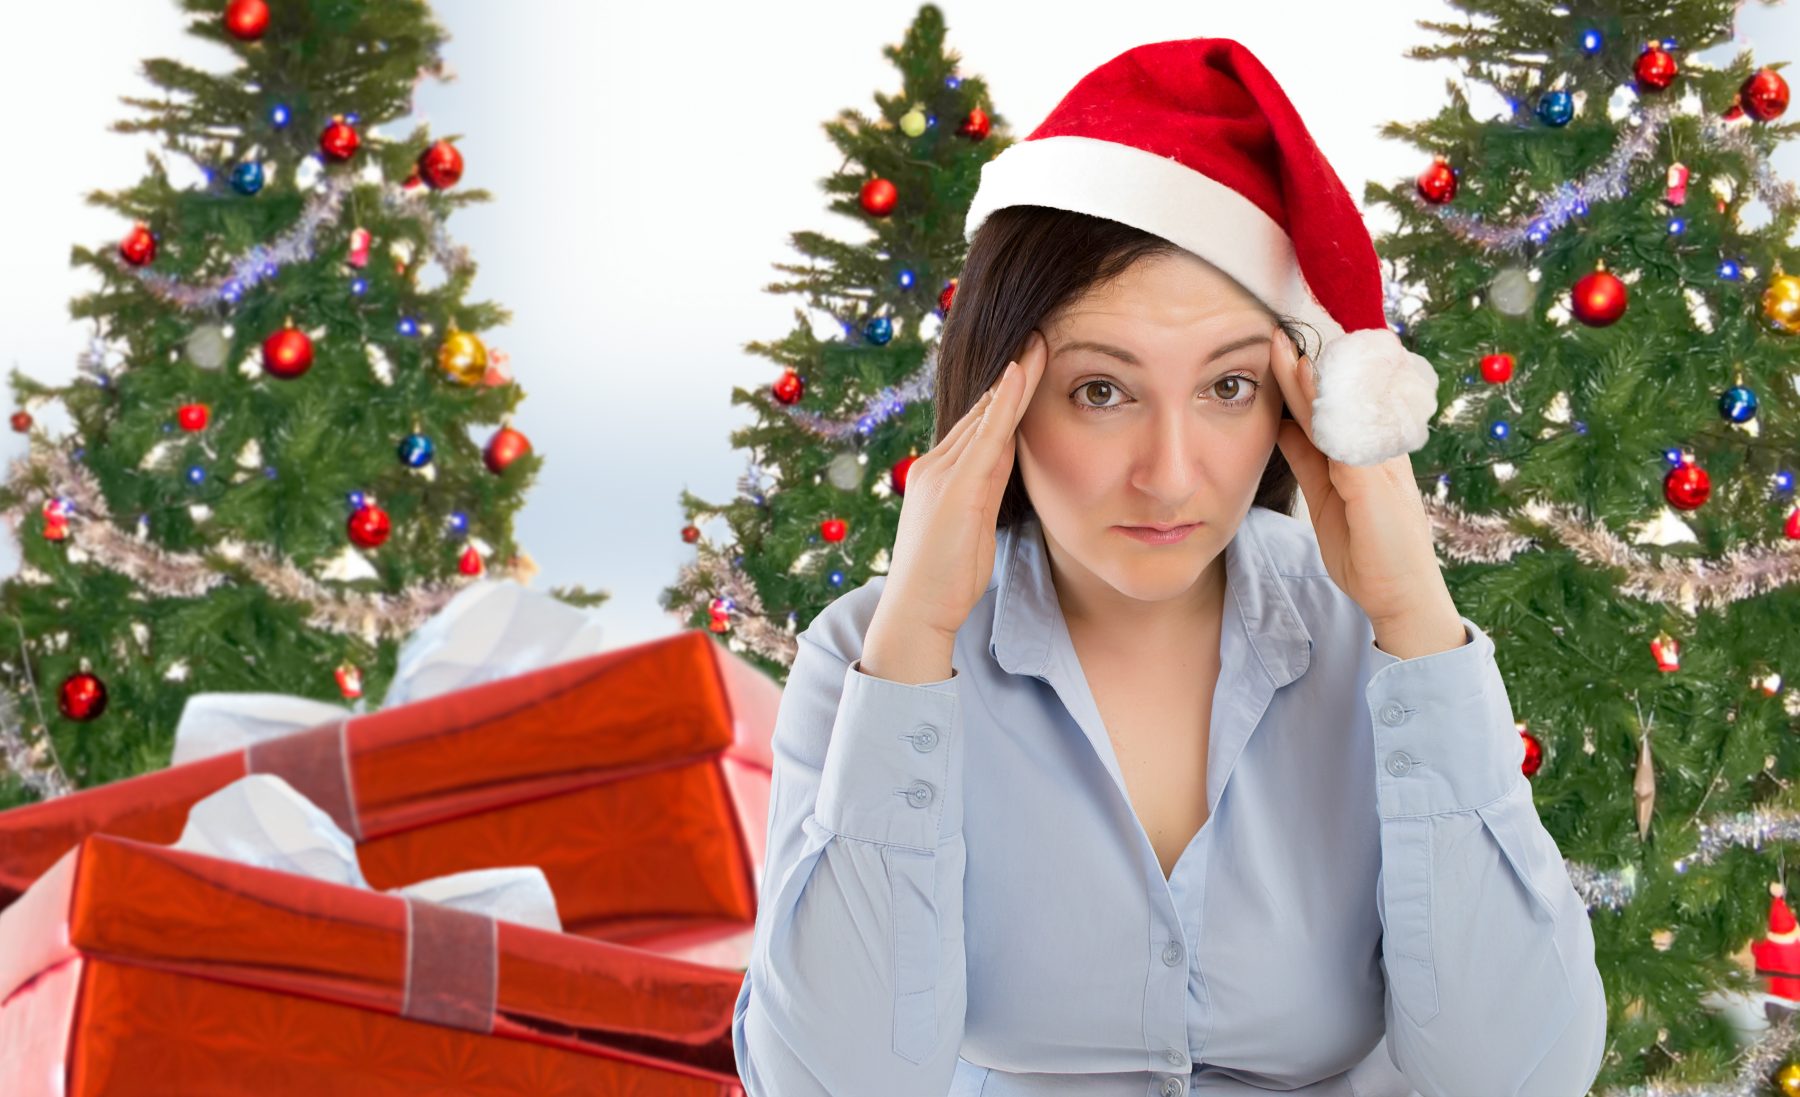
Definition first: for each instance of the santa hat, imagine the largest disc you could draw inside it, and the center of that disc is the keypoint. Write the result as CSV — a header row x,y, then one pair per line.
x,y
1194,141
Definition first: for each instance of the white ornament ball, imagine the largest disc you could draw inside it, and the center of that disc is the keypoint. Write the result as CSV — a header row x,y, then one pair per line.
x,y
1511,291
845,471
207,346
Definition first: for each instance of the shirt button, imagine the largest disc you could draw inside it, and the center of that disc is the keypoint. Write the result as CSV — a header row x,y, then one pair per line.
x,y
1398,763
1172,953
1175,1059
918,794
924,738
1172,1087
1392,714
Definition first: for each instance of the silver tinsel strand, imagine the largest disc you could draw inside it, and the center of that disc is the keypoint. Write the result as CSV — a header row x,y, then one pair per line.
x,y
1608,182
189,575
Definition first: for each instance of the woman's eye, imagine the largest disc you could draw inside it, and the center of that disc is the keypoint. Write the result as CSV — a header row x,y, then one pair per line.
x,y
1105,390
1228,392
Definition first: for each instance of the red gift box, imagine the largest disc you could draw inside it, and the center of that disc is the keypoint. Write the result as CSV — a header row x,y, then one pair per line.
x,y
132,969
637,779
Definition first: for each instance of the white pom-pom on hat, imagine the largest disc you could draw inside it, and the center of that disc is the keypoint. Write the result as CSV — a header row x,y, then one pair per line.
x,y
1375,398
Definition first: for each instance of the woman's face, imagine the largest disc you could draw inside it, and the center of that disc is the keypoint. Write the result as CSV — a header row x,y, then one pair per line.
x,y
1179,434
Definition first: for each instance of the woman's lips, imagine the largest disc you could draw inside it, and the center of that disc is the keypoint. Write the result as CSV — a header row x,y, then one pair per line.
x,y
1150,535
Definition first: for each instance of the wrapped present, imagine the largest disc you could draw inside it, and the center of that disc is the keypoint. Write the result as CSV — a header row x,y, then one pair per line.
x,y
134,969
637,779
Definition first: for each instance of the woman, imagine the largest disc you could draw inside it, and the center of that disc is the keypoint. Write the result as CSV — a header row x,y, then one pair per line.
x,y
1063,805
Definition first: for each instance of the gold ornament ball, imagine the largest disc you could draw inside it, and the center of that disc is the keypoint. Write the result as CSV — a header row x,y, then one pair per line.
x,y
1787,1079
912,123
463,357
1781,303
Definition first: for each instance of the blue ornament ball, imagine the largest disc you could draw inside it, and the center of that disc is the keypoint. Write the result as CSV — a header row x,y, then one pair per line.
x,y
196,474
1556,108
247,177
416,451
1737,404
879,331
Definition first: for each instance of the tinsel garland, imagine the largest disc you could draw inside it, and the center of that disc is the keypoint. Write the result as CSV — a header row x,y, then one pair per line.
x,y
1757,1065
299,243
30,754
372,616
1687,581
890,401
1607,182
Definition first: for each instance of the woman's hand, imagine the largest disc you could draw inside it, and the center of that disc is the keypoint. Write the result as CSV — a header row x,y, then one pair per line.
x,y
944,548
1371,523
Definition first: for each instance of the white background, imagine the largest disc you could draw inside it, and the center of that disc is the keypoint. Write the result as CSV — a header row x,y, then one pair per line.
x,y
648,162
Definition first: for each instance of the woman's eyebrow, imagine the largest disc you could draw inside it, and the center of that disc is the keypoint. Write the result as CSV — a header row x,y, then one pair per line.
x,y
1131,359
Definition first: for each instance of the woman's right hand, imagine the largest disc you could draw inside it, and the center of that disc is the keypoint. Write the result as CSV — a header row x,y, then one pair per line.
x,y
943,551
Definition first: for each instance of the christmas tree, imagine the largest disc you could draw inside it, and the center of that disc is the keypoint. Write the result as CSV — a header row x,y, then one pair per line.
x,y
837,429
1611,484
281,454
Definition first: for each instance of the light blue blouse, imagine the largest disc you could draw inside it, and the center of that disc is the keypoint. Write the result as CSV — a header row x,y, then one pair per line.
x,y
958,898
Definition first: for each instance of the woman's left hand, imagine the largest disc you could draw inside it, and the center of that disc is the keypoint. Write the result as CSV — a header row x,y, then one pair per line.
x,y
1372,528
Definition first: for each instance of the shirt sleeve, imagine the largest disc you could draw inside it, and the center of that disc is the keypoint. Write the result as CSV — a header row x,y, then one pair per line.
x,y
856,981
1487,949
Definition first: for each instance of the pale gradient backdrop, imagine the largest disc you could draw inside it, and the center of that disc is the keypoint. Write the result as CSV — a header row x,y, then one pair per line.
x,y
648,162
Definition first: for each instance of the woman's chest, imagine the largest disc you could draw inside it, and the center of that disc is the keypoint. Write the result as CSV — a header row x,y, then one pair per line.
x,y
1158,726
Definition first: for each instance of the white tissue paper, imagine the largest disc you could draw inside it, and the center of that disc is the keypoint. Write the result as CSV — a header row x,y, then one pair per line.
x,y
261,820
492,629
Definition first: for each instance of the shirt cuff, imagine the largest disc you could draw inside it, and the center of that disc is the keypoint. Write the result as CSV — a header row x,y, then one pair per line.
x,y
893,767
1445,739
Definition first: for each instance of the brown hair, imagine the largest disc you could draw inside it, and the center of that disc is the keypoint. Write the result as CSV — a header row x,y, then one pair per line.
x,y
1024,264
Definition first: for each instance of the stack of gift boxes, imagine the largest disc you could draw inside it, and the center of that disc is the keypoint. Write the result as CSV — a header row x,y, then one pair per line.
x,y
636,779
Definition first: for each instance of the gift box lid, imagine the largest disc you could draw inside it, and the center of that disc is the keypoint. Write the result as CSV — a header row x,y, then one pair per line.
x,y
658,705
135,903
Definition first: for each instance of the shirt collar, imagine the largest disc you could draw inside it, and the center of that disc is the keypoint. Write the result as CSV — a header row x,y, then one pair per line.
x,y
1028,615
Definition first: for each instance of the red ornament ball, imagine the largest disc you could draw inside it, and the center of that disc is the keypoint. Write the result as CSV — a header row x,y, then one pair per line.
x,y
1534,753
339,140
1437,183
690,534
833,529
879,197
246,20
897,475
1792,529
21,421
441,165
193,417
82,696
1497,368
470,562
1655,68
139,247
1764,95
946,297
1598,299
506,446
788,388
369,526
287,354
977,125
1687,486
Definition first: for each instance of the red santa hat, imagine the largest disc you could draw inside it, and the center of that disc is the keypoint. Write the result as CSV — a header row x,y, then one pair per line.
x,y
1194,141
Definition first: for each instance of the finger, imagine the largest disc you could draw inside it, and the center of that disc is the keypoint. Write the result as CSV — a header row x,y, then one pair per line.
x,y
1032,364
967,429
1291,376
1309,464
998,421
952,440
